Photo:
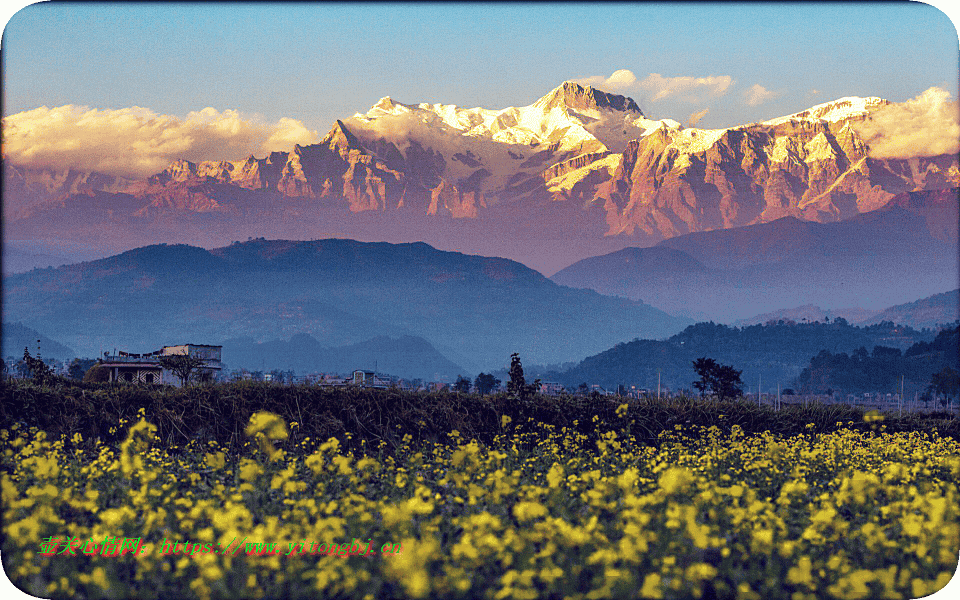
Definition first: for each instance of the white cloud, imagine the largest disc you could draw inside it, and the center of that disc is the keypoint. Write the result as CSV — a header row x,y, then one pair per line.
x,y
757,95
619,80
690,89
658,87
136,142
927,125
693,119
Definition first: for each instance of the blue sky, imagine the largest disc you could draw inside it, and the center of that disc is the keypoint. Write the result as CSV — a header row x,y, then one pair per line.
x,y
716,65
317,62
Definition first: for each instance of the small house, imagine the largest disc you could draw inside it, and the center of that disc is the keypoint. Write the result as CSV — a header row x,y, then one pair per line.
x,y
146,368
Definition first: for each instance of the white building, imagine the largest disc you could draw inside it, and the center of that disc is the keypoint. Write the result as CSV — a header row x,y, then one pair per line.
x,y
146,368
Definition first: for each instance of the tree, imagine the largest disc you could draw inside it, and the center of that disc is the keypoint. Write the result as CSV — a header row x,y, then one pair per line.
x,y
518,384
729,384
38,369
181,365
78,367
462,384
485,383
705,367
722,380
946,382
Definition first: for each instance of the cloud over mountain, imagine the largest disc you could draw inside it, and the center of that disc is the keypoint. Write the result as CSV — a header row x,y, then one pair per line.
x,y
136,142
757,95
928,125
694,118
686,88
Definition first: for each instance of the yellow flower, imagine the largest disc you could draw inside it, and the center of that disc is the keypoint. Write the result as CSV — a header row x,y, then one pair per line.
x,y
249,469
271,425
528,511
675,479
215,461
651,586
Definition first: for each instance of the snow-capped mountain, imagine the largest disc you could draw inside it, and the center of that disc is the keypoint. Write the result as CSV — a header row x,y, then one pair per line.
x,y
577,162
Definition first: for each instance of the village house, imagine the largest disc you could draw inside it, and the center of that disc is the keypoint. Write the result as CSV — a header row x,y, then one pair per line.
x,y
372,379
551,388
146,368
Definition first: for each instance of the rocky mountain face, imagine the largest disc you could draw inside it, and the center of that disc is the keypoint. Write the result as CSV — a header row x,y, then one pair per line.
x,y
25,187
817,171
577,160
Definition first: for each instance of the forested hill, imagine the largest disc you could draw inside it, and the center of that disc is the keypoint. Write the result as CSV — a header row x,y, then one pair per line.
x,y
776,352
882,369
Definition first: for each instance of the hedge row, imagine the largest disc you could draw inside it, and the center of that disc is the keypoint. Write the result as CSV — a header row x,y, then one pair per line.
x,y
364,418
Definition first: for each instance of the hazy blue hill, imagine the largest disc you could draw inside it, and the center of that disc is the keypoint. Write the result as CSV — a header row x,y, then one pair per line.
x,y
633,271
16,337
476,310
407,356
939,309
872,261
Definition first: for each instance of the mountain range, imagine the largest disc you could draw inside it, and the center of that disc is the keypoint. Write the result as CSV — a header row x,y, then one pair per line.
x,y
476,311
578,173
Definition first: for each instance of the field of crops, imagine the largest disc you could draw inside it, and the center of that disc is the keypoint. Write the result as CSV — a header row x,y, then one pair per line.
x,y
538,513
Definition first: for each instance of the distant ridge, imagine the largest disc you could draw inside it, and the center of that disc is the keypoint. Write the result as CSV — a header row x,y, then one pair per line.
x,y
809,313
17,336
933,311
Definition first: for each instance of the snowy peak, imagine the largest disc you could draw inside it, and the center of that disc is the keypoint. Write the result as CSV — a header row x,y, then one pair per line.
x,y
837,110
386,104
571,95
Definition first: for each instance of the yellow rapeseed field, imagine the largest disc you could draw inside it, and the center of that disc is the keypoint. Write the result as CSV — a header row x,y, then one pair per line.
x,y
534,515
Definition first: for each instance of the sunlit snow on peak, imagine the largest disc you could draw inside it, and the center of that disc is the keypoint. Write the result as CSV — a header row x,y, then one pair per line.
x,y
836,110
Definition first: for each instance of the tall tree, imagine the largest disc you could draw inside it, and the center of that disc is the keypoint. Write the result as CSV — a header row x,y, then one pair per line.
x,y
517,386
705,367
